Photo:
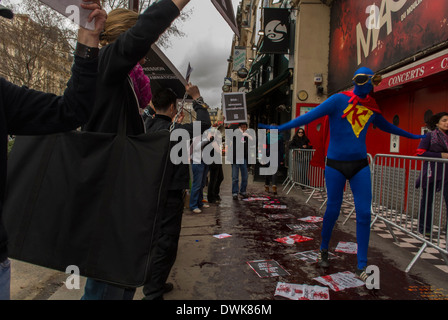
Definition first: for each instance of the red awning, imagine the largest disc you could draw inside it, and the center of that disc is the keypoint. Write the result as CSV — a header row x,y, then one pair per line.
x,y
418,70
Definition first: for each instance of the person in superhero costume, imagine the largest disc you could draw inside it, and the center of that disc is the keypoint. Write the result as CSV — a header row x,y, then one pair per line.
x,y
349,113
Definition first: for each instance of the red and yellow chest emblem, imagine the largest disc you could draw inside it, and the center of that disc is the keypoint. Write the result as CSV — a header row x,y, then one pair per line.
x,y
357,116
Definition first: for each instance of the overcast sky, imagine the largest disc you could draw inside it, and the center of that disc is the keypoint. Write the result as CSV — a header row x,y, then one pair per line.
x,y
206,46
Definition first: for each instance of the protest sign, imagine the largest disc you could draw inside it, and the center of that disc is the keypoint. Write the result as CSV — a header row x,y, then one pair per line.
x,y
225,8
72,10
234,107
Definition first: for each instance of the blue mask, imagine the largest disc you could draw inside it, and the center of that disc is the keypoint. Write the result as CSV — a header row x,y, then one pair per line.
x,y
363,90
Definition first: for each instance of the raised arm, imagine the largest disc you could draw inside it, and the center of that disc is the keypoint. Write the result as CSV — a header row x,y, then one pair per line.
x,y
119,57
34,112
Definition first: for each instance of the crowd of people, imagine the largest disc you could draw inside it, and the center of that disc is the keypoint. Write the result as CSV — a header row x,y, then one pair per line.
x,y
106,81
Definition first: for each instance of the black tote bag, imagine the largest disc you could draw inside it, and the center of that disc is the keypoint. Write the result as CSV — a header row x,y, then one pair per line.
x,y
87,199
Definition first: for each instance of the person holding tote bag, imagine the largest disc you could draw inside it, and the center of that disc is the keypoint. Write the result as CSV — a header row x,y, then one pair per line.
x,y
126,40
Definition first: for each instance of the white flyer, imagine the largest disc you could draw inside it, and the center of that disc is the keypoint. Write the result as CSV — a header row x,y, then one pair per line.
x,y
311,219
301,291
72,10
222,235
347,247
340,281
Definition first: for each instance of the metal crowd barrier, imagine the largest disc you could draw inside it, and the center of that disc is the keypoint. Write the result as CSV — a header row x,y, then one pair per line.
x,y
395,198
400,204
301,173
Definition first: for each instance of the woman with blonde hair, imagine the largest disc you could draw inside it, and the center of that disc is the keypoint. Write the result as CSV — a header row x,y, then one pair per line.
x,y
126,39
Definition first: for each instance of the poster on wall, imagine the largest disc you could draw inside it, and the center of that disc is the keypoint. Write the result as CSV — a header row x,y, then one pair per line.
x,y
234,107
380,33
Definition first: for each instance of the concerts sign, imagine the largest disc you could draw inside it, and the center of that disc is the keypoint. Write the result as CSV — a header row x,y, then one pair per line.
x,y
380,33
415,71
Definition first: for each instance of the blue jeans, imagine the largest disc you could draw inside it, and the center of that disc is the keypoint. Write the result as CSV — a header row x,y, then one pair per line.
x,y
199,178
98,290
236,168
5,280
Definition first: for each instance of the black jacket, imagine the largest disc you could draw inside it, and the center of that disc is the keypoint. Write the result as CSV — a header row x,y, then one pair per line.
x,y
28,112
117,60
181,172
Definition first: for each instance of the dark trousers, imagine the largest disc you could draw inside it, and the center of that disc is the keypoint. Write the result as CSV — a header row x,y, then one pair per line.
x,y
165,252
426,205
214,184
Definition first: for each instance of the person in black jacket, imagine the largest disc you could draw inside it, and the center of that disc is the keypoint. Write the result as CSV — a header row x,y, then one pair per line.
x,y
126,39
164,102
28,112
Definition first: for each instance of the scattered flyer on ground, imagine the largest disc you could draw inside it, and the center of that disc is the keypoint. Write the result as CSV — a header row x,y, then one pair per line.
x,y
222,235
280,216
274,206
311,219
340,281
295,238
301,291
347,247
256,199
267,268
302,226
311,256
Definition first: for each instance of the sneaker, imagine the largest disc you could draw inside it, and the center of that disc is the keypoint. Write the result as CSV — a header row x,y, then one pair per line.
x,y
197,210
235,197
244,195
361,274
322,259
206,206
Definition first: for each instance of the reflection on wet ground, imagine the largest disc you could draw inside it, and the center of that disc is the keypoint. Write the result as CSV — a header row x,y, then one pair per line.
x,y
253,230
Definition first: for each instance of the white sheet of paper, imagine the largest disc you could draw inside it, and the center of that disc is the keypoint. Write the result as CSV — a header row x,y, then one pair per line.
x,y
72,10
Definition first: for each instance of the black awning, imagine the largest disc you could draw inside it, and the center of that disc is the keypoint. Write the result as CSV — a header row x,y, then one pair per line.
x,y
257,95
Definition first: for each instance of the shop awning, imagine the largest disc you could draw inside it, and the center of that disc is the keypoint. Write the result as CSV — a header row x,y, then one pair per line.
x,y
257,65
257,95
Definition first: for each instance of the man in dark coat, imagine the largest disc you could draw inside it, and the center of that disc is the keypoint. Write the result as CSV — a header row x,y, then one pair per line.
x,y
164,102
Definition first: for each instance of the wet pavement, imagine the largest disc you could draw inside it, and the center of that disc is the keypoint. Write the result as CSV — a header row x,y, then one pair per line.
x,y
209,269
221,268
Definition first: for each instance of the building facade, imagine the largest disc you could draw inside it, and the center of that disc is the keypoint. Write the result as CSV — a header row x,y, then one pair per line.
x,y
406,41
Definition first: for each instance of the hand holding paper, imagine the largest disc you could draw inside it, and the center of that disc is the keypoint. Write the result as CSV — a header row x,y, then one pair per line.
x,y
98,16
76,10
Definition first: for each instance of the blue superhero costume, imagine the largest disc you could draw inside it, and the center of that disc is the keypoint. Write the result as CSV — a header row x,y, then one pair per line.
x,y
350,114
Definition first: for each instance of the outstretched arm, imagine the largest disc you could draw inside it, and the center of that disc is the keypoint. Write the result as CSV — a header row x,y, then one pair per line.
x,y
327,107
388,127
